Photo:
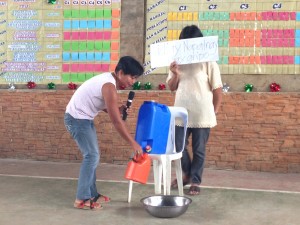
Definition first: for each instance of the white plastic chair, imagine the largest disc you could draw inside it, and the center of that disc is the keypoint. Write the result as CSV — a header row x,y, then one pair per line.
x,y
162,163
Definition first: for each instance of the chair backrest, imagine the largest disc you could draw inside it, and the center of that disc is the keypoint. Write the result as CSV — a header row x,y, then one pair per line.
x,y
181,113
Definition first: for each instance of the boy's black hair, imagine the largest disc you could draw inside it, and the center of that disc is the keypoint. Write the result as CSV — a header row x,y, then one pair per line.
x,y
130,66
190,32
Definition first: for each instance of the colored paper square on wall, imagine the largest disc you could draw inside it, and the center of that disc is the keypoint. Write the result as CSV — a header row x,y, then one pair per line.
x,y
83,24
112,67
232,16
220,60
98,56
75,46
90,67
99,13
99,24
82,56
177,16
74,67
97,67
91,35
114,56
115,24
81,77
81,67
75,13
66,46
226,34
105,67
298,16
225,59
75,36
98,45
67,36
67,13
225,43
114,46
195,16
90,45
216,16
67,24
297,60
99,35
74,56
115,35
74,77
66,56
170,35
75,24
88,76
106,35
201,16
106,56
65,67
82,46
175,35
91,13
115,13
66,77
82,35
220,42
91,24
106,45
90,56
107,13
107,24
83,13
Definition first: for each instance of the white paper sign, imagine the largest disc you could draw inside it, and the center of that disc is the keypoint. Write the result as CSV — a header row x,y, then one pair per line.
x,y
185,51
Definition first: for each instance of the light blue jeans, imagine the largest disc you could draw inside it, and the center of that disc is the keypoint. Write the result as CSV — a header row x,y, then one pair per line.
x,y
192,168
84,133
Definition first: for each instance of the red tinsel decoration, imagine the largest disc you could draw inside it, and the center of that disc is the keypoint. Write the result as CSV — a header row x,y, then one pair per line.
x,y
161,86
72,86
31,84
274,87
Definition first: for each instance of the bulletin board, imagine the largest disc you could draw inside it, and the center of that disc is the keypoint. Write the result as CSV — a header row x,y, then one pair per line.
x,y
254,37
58,41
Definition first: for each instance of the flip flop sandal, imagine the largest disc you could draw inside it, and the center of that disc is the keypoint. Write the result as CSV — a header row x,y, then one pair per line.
x,y
174,184
83,205
194,190
101,198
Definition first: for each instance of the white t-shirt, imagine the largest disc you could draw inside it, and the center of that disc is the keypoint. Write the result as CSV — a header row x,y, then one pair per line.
x,y
194,92
87,100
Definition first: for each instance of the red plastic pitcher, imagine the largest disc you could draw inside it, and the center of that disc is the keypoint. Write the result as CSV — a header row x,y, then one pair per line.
x,y
138,168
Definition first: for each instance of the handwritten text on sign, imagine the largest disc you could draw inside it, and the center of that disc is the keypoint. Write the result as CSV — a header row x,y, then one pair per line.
x,y
193,50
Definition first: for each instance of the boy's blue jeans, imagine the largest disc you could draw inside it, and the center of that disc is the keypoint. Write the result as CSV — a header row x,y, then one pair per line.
x,y
84,133
192,167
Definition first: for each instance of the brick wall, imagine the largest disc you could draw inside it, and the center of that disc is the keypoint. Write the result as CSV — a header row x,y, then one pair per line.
x,y
255,132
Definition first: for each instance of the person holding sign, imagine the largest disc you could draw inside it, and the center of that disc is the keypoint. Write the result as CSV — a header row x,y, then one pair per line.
x,y
198,88
95,95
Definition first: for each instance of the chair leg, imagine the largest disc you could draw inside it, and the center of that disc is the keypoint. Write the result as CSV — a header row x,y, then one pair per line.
x,y
130,190
168,176
164,172
179,176
157,172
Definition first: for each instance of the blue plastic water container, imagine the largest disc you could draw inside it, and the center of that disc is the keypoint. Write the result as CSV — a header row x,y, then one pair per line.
x,y
152,127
